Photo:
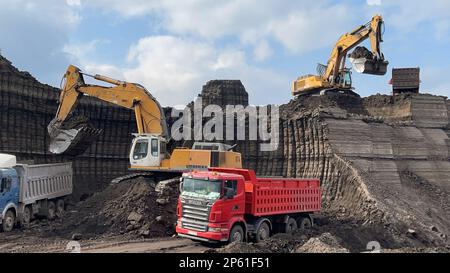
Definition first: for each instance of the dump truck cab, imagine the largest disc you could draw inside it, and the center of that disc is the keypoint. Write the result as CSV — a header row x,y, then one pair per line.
x,y
9,191
210,204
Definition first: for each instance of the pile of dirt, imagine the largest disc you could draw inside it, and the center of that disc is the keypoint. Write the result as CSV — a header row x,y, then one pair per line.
x,y
139,207
325,243
301,105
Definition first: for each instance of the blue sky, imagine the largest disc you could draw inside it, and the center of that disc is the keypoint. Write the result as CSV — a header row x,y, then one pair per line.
x,y
174,47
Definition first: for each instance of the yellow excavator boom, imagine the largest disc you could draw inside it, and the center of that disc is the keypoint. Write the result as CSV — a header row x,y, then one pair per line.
x,y
150,118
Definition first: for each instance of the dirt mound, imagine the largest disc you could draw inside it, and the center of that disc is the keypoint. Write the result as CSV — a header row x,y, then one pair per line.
x,y
140,207
325,243
352,103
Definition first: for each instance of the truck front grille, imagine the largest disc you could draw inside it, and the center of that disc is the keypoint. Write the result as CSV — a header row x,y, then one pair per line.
x,y
195,217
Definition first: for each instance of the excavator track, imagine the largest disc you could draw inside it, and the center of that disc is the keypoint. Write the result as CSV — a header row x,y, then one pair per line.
x,y
323,92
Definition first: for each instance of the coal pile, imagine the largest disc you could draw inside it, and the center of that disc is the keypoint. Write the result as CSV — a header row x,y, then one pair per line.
x,y
138,207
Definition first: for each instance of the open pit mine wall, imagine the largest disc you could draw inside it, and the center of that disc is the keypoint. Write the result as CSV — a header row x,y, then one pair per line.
x,y
388,165
26,108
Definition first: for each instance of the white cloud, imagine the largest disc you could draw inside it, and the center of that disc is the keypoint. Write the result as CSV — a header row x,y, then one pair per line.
x,y
374,2
300,26
83,51
174,69
262,51
73,2
306,30
409,15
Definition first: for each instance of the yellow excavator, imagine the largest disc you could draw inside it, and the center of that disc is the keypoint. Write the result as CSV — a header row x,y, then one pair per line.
x,y
334,75
148,150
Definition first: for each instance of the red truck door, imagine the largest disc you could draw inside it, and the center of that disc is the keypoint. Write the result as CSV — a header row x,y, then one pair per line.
x,y
234,205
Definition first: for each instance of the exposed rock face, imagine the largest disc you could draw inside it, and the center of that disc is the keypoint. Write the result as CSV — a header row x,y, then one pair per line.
x,y
224,92
389,169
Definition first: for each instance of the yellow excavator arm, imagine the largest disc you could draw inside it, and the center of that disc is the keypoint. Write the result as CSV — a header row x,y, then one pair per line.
x,y
334,73
150,118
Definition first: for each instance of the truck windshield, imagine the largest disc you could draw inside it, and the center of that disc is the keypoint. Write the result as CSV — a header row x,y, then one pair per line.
x,y
210,189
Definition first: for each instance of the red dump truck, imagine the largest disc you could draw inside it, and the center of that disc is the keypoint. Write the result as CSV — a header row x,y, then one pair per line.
x,y
227,205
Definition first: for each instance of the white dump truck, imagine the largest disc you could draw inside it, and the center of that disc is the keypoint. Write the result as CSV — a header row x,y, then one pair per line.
x,y
28,191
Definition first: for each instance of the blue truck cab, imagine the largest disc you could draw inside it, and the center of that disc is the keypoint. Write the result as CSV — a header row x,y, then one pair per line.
x,y
9,192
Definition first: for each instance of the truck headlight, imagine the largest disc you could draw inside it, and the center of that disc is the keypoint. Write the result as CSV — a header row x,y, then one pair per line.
x,y
214,229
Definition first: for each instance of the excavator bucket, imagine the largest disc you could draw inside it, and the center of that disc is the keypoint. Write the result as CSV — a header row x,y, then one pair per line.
x,y
73,138
369,66
363,61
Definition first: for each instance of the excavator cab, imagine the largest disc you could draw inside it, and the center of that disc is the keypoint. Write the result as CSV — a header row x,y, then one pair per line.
x,y
345,79
147,150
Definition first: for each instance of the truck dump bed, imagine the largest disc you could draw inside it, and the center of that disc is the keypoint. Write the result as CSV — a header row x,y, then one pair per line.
x,y
270,196
38,182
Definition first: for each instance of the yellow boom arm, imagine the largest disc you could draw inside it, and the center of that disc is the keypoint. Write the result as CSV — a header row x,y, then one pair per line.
x,y
350,40
150,117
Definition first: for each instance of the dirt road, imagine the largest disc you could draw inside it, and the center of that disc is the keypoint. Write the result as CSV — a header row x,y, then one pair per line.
x,y
161,245
35,244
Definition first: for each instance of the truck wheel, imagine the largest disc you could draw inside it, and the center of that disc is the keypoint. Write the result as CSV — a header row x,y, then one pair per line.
x,y
304,223
236,234
26,217
51,210
291,225
59,208
263,232
8,221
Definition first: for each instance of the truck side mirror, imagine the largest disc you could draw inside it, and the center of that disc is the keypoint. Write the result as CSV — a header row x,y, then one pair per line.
x,y
181,186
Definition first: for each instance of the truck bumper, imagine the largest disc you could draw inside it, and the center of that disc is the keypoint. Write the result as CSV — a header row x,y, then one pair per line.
x,y
202,236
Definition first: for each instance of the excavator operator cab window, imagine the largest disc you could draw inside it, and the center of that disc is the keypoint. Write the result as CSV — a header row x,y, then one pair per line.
x,y
347,78
140,149
162,147
155,147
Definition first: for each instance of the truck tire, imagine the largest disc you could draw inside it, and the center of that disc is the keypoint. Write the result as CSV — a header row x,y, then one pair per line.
x,y
8,221
291,225
263,232
304,223
26,217
51,210
236,234
59,208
